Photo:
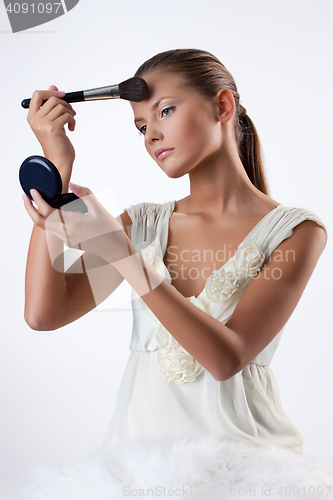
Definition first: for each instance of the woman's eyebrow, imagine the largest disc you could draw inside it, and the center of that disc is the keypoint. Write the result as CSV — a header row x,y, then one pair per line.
x,y
153,107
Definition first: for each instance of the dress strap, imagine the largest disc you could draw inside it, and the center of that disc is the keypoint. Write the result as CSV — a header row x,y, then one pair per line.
x,y
150,222
283,225
162,224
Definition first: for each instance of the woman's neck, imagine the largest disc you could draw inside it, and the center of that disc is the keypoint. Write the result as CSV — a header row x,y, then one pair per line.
x,y
221,186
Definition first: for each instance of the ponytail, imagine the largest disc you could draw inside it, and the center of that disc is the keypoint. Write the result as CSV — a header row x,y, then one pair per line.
x,y
250,151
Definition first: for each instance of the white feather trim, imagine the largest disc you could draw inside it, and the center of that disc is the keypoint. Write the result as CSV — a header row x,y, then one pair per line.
x,y
182,469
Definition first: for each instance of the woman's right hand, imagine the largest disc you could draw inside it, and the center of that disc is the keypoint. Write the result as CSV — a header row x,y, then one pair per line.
x,y
48,124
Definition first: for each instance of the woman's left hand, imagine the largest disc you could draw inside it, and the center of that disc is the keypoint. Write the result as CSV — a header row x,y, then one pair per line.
x,y
96,232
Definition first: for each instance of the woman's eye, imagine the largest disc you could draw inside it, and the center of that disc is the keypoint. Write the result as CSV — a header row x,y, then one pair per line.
x,y
164,112
167,111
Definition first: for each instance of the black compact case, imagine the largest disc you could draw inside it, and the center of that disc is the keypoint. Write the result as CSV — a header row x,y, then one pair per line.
x,y
37,172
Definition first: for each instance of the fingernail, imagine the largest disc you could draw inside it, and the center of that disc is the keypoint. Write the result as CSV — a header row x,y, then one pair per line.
x,y
32,192
75,186
61,93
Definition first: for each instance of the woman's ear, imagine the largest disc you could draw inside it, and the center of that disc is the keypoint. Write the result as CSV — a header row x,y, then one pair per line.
x,y
225,105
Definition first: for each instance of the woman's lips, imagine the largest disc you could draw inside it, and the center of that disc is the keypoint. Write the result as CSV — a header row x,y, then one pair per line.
x,y
162,153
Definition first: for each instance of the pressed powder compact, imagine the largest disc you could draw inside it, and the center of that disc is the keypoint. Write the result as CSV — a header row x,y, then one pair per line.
x,y
37,172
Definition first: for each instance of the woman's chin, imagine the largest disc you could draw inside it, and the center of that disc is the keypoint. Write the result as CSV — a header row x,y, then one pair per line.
x,y
174,171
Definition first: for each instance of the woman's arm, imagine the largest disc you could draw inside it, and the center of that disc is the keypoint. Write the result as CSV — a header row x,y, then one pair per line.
x,y
260,314
54,298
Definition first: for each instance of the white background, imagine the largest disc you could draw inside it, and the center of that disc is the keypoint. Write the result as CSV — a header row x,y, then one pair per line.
x,y
58,389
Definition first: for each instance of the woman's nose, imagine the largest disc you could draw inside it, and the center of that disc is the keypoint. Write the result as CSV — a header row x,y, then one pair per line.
x,y
153,133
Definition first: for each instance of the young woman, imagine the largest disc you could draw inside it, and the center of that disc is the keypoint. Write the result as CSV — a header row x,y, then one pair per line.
x,y
215,278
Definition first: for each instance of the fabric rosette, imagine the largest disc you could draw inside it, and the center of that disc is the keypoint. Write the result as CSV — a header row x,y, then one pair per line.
x,y
221,284
152,257
249,259
246,263
175,363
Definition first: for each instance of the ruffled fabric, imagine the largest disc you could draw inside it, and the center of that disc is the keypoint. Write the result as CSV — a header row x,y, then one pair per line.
x,y
175,363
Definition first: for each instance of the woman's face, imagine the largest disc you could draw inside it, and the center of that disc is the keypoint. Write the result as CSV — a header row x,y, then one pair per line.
x,y
180,126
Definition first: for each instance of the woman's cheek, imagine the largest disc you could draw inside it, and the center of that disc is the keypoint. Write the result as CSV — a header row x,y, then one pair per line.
x,y
190,124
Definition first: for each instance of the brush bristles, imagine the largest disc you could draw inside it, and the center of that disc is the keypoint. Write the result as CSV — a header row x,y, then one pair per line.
x,y
134,89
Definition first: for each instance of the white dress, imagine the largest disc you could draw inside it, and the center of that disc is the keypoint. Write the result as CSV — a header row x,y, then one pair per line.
x,y
174,425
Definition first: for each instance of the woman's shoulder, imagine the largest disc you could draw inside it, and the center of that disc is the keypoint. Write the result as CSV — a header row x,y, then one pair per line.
x,y
305,226
139,213
290,215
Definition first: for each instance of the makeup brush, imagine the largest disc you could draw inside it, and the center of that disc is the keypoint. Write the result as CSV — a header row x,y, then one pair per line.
x,y
134,89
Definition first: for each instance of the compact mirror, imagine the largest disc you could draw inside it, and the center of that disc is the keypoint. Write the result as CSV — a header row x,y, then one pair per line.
x,y
37,172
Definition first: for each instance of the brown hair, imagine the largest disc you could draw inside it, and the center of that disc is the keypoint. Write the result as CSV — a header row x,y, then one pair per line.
x,y
205,73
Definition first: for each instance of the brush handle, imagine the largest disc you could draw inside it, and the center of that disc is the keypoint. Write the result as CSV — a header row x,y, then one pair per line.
x,y
109,92
69,97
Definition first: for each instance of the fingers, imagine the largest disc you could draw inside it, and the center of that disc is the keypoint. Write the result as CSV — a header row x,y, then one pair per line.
x,y
48,121
43,210
80,190
36,217
50,220
87,195
53,100
96,209
60,115
55,107
41,95
42,206
91,231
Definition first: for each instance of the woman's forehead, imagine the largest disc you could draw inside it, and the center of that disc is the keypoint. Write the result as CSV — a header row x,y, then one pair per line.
x,y
159,81
160,85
